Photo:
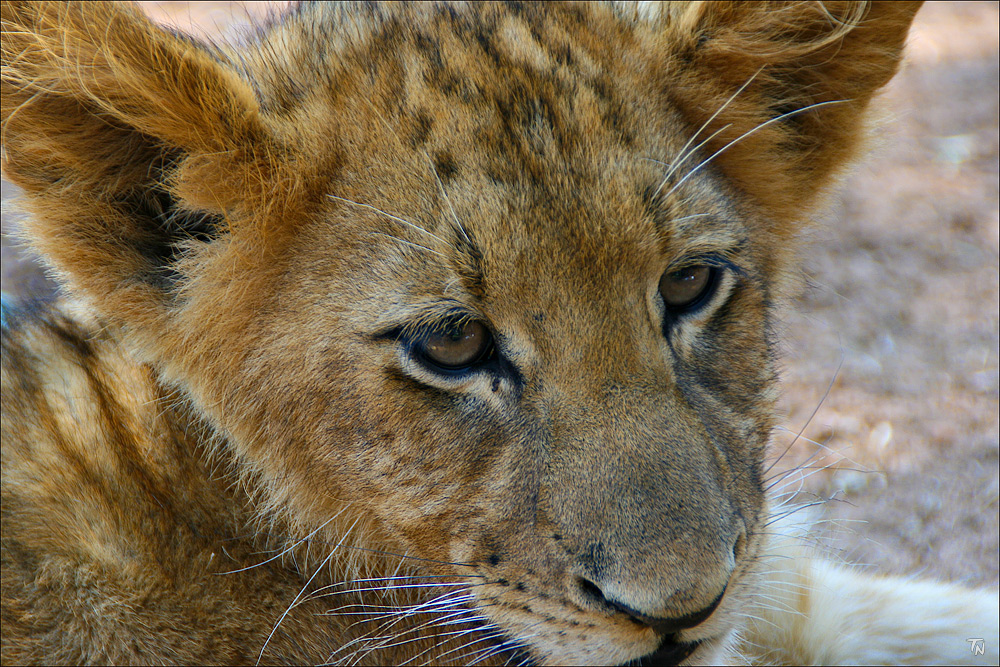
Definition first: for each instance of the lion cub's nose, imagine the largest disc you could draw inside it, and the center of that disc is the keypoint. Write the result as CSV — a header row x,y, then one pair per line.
x,y
663,626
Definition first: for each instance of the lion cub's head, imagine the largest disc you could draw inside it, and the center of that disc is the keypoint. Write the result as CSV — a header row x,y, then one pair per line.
x,y
487,286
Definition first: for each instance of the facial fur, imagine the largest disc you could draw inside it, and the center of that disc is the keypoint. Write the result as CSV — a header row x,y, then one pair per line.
x,y
274,232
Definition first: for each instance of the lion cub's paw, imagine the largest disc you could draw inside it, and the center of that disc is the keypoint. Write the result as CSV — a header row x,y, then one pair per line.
x,y
812,611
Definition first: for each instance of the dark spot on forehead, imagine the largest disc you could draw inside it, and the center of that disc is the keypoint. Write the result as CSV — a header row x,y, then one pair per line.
x,y
421,129
563,54
615,114
431,49
445,166
484,38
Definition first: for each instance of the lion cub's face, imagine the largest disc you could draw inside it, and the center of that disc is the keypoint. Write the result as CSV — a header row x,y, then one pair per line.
x,y
530,345
533,354
489,287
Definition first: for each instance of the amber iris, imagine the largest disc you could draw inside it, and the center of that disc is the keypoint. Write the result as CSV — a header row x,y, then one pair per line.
x,y
459,346
685,288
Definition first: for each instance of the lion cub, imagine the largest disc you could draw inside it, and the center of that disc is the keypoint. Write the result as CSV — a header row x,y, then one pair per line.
x,y
432,333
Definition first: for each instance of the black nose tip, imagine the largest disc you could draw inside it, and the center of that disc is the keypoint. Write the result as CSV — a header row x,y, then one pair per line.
x,y
663,626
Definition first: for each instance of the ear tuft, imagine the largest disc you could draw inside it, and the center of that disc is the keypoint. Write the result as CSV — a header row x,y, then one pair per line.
x,y
111,59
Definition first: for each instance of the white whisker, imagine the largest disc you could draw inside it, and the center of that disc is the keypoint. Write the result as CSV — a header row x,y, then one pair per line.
x,y
747,134
279,555
686,151
304,588
388,215
409,243
682,158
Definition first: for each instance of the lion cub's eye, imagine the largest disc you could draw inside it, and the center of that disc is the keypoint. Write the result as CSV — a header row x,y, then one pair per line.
x,y
457,347
686,289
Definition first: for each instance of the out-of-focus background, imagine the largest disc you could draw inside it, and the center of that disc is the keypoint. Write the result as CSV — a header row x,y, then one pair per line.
x,y
893,342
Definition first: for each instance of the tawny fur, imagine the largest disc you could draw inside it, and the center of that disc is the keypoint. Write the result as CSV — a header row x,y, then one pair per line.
x,y
226,446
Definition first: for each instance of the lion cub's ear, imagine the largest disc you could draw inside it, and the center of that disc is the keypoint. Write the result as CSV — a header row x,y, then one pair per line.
x,y
127,139
779,89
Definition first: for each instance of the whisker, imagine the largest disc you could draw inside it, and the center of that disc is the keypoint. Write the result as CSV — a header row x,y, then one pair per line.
x,y
781,480
390,611
390,216
279,555
304,588
479,639
747,134
798,508
408,557
390,585
682,157
515,646
812,415
409,243
447,199
328,593
683,151
452,634
390,641
398,568
405,612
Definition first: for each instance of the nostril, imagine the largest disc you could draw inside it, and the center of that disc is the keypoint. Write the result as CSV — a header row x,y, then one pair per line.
x,y
591,591
740,546
593,594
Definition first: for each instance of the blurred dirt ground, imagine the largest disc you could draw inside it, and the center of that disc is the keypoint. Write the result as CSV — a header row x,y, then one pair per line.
x,y
901,295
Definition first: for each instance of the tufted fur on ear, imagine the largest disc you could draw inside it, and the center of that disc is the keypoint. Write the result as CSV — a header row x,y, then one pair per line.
x,y
132,145
778,89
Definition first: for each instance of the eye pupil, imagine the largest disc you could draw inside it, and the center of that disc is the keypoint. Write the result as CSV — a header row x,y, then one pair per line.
x,y
459,346
684,288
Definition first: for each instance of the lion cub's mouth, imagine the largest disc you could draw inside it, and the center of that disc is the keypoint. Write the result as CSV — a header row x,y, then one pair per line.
x,y
670,653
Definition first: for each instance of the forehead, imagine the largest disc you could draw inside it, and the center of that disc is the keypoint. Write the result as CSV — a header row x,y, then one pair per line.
x,y
520,128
